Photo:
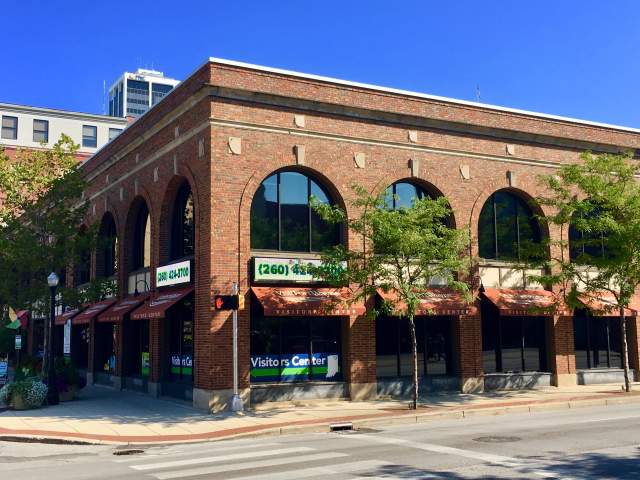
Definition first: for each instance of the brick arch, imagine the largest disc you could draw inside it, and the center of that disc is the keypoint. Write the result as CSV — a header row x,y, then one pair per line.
x,y
118,228
527,190
423,183
166,213
132,211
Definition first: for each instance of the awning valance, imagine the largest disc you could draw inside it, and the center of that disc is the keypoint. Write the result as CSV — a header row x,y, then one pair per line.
x,y
69,314
323,301
522,302
433,301
92,312
603,304
158,305
118,310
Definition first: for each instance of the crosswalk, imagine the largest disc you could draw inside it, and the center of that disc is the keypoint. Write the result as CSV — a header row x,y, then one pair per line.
x,y
253,461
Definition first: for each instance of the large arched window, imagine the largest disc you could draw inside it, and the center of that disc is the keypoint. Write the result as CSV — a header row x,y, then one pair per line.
x,y
183,226
82,267
107,251
142,239
585,245
507,228
281,218
403,194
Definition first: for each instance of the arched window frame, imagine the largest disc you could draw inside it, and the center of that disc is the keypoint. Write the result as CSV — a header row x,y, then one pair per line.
x,y
489,218
394,200
107,248
141,251
313,221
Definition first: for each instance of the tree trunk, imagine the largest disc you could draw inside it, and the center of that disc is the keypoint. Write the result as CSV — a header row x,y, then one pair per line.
x,y
625,351
414,349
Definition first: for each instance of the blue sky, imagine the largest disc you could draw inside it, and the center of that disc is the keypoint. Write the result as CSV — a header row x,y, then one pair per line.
x,y
577,58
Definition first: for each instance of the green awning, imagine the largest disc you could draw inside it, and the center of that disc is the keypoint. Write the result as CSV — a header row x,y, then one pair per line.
x,y
14,325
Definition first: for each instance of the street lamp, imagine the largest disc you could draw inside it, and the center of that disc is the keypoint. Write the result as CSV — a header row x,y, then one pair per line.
x,y
52,394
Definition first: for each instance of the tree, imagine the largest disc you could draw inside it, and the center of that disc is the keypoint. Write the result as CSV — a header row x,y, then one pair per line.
x,y
402,251
41,208
597,201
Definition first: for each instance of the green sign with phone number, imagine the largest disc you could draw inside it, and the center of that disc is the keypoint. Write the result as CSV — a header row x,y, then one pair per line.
x,y
284,269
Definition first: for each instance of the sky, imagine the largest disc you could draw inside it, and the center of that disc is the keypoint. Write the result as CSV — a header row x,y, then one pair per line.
x,y
576,58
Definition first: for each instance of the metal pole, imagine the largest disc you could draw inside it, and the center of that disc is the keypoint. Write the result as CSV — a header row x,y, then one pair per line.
x,y
236,401
52,394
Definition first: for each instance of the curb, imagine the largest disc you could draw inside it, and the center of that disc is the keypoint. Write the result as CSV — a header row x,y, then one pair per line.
x,y
321,426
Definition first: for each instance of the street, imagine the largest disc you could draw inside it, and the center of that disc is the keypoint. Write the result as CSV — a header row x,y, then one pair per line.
x,y
582,443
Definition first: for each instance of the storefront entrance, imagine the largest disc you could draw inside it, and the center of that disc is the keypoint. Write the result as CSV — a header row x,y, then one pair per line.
x,y
105,348
178,359
135,367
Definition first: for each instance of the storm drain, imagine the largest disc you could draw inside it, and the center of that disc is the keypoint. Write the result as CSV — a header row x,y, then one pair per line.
x,y
497,439
340,427
130,451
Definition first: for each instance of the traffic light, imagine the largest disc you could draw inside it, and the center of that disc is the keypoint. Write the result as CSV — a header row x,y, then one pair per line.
x,y
226,302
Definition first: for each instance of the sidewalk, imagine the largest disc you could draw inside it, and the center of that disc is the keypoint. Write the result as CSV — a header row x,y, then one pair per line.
x,y
102,415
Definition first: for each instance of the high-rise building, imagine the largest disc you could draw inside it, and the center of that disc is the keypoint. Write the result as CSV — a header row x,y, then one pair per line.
x,y
135,93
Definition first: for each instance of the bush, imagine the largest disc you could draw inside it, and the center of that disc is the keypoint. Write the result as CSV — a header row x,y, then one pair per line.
x,y
67,375
32,391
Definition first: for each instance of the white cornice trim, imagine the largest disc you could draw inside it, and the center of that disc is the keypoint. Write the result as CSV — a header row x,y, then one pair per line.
x,y
52,112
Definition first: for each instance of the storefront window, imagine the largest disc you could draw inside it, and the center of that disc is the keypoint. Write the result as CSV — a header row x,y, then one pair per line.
x,y
80,339
513,344
181,342
394,355
38,338
295,349
597,341
105,346
281,218
507,229
183,226
136,346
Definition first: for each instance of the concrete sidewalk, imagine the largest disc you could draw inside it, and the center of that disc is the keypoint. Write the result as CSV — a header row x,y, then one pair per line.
x,y
102,415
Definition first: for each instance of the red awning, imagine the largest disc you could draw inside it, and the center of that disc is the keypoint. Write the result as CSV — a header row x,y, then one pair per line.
x,y
92,312
306,301
433,301
117,311
603,304
522,302
159,304
23,316
62,319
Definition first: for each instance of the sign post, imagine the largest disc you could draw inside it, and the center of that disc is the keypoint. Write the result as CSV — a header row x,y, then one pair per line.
x,y
236,401
67,338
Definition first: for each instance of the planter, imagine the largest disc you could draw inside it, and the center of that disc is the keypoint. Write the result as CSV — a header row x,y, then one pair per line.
x,y
68,395
18,402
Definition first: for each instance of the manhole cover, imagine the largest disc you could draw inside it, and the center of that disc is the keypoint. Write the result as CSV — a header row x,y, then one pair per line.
x,y
130,451
497,439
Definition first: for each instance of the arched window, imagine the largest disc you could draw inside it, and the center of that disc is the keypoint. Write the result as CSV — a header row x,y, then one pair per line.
x,y
107,252
142,239
507,227
82,267
586,245
281,218
403,194
183,224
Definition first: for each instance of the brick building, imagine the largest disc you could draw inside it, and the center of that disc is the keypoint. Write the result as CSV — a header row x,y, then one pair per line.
x,y
211,187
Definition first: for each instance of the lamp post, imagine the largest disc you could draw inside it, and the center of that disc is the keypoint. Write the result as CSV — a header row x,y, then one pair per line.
x,y
52,394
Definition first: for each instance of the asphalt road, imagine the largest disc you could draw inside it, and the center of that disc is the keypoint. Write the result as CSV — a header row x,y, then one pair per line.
x,y
583,443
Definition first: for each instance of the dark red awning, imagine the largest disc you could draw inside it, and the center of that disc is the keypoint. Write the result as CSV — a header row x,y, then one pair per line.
x,y
118,311
307,301
603,304
69,314
92,312
522,302
158,305
433,301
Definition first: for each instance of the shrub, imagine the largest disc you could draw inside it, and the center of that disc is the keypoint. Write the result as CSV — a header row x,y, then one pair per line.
x,y
4,394
32,391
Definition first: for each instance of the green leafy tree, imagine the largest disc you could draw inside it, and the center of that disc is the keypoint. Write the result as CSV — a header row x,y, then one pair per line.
x,y
599,200
403,251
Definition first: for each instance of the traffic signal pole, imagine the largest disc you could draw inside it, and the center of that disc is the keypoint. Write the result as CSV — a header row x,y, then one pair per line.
x,y
236,401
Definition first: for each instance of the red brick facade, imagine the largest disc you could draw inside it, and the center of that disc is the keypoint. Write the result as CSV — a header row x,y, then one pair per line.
x,y
463,151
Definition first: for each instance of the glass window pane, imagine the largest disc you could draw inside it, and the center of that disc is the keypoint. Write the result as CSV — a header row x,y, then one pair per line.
x,y
580,342
615,343
406,194
486,239
511,342
89,136
323,234
406,350
438,344
294,212
325,349
40,131
505,206
489,341
9,128
598,337
386,346
529,229
264,215
533,329
295,349
265,349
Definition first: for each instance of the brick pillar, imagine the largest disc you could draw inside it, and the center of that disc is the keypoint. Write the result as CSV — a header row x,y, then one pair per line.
x,y
359,362
156,327
561,354
633,343
119,351
91,351
467,330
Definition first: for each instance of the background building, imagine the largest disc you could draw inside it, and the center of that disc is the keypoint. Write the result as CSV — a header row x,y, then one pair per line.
x,y
135,93
35,127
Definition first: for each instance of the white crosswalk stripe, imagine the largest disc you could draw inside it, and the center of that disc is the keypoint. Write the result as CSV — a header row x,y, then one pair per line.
x,y
341,468
276,462
220,458
196,450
